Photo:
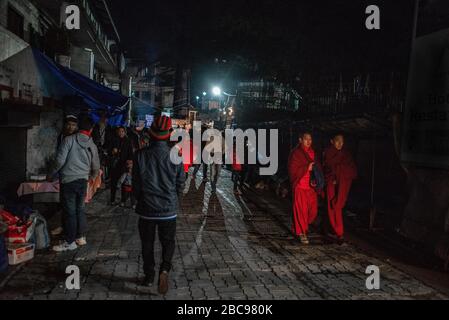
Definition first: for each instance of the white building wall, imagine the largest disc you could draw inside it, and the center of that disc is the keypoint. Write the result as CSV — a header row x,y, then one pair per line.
x,y
42,141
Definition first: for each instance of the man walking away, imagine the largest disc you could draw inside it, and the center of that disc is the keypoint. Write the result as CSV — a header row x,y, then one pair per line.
x,y
205,166
76,161
157,185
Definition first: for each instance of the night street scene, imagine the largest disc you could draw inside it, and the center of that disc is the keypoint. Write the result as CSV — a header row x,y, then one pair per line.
x,y
241,151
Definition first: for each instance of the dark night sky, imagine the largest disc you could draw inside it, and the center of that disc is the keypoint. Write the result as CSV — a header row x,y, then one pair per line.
x,y
284,38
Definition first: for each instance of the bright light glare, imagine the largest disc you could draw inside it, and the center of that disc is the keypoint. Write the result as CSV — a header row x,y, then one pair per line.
x,y
216,91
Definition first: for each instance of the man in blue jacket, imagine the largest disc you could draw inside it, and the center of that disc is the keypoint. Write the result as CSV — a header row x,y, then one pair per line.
x,y
157,185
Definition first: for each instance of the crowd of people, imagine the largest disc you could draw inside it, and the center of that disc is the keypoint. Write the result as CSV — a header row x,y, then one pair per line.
x,y
136,162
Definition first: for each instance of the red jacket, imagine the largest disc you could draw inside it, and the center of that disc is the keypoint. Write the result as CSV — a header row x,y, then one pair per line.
x,y
338,165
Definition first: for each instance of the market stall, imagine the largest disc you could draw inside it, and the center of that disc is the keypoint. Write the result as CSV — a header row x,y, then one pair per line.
x,y
48,192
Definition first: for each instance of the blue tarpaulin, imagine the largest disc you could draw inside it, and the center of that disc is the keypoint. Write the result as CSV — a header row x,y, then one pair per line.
x,y
60,82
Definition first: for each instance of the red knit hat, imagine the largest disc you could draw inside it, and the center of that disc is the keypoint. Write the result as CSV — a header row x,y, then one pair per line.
x,y
161,128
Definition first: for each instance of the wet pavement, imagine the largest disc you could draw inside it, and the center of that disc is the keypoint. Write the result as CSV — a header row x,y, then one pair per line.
x,y
227,247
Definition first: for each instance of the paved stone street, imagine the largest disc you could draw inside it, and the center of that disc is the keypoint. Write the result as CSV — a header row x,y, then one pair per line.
x,y
227,248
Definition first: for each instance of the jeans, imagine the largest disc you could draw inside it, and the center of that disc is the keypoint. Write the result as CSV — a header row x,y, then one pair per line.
x,y
166,232
72,197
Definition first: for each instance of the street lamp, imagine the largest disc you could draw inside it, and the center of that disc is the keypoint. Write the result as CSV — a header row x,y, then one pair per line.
x,y
216,91
204,93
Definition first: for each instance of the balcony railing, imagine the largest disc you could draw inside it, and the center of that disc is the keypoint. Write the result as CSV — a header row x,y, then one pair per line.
x,y
350,103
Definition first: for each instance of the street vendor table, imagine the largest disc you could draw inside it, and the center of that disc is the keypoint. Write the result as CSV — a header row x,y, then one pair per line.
x,y
44,191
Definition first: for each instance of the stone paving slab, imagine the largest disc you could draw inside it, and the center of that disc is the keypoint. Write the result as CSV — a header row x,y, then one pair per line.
x,y
227,248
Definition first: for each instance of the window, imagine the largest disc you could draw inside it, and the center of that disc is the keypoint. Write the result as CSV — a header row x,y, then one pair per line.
x,y
15,22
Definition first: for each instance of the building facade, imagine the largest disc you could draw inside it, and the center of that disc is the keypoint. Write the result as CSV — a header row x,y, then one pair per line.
x,y
30,121
267,95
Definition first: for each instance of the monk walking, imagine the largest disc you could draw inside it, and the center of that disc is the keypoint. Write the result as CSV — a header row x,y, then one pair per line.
x,y
339,171
305,203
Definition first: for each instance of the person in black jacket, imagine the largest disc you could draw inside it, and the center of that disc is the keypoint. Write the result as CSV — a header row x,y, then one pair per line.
x,y
157,186
119,151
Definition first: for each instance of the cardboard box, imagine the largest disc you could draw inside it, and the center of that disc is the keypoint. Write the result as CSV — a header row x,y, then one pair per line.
x,y
20,252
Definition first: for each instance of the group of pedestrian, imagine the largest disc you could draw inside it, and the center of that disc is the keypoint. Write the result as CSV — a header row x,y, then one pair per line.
x,y
312,178
145,172
142,171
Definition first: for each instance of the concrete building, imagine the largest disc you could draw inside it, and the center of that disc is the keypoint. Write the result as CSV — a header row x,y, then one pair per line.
x,y
29,121
267,95
158,88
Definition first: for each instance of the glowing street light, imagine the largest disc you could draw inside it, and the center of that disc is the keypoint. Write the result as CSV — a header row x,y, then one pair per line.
x,y
197,98
216,91
204,93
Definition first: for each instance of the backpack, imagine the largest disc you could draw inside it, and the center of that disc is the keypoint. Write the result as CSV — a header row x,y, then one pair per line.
x,y
317,177
40,236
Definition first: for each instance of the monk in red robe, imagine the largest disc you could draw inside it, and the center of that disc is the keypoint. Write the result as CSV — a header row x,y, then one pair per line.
x,y
305,202
339,171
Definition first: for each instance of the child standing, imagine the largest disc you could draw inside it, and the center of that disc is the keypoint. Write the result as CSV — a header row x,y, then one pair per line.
x,y
125,184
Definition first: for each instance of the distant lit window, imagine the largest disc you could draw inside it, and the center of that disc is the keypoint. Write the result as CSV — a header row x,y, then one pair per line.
x,y
15,22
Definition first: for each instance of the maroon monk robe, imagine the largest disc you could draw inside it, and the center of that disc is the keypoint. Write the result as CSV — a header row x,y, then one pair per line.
x,y
305,203
339,171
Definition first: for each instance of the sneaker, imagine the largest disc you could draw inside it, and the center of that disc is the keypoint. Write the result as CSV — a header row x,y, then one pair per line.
x,y
163,282
65,246
81,241
303,238
57,231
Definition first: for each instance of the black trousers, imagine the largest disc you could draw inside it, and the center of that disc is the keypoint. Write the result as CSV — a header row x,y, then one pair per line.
x,y
166,231
127,195
115,174
197,168
238,177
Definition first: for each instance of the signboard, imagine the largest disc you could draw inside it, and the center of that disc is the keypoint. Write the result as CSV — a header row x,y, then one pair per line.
x,y
425,139
148,120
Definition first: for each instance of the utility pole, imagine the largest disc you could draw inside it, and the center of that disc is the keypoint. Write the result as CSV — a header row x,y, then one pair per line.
x,y
130,93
